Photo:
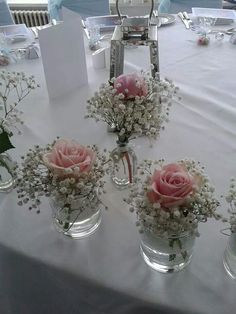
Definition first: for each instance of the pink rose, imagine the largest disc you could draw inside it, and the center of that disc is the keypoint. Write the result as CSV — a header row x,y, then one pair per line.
x,y
68,158
131,85
171,185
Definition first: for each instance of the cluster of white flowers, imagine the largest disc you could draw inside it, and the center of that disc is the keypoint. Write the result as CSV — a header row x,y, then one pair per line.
x,y
231,200
34,180
14,87
142,115
166,221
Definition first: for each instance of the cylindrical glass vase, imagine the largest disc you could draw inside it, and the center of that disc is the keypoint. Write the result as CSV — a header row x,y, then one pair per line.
x,y
124,166
229,259
80,220
6,178
167,254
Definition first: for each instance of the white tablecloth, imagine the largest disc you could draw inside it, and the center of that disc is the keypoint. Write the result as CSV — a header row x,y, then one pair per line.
x,y
41,271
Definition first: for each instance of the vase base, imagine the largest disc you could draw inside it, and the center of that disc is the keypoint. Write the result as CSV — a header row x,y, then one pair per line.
x,y
164,268
6,179
124,166
229,262
120,184
81,229
6,186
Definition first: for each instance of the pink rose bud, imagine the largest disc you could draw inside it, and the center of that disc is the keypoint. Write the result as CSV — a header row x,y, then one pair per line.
x,y
69,159
171,185
131,85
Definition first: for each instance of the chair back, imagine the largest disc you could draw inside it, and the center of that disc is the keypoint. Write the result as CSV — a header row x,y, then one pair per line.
x,y
5,14
175,6
85,8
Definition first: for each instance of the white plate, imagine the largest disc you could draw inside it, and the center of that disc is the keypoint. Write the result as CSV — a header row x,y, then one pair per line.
x,y
166,19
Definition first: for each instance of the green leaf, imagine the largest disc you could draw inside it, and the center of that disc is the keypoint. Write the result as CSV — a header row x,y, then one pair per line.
x,y
184,255
172,257
5,142
66,226
178,241
171,243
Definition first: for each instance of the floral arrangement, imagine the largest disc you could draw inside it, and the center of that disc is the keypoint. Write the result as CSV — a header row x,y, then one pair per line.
x,y
63,171
14,87
172,198
231,200
133,104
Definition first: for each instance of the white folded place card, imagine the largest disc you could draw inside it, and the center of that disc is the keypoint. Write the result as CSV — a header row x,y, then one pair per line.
x,y
98,59
107,57
63,56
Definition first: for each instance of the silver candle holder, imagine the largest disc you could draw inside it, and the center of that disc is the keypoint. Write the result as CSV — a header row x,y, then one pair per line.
x,y
134,31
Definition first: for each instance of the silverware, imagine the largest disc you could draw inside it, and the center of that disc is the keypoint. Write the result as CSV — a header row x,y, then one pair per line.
x,y
35,32
186,17
54,22
155,14
85,29
183,19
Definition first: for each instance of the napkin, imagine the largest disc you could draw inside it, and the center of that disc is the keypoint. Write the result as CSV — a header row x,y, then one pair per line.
x,y
233,39
63,56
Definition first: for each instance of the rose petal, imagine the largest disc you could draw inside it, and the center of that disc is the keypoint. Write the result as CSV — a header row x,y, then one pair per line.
x,y
171,185
69,154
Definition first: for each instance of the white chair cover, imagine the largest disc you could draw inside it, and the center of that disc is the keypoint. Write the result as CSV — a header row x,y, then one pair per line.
x,y
84,7
174,6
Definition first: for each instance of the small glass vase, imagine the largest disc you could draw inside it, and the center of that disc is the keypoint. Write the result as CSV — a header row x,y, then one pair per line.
x,y
124,166
80,220
229,258
167,254
6,177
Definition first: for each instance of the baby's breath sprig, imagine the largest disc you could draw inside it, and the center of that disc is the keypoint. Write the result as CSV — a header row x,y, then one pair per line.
x,y
231,200
14,87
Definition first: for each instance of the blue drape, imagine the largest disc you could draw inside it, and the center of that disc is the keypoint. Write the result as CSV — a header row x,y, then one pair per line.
x,y
174,6
5,15
84,7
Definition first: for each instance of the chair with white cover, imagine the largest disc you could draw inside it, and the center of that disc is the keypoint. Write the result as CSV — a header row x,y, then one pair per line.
x,y
175,6
85,8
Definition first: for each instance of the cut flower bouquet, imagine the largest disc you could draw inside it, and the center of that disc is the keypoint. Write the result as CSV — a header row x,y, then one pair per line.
x,y
14,87
133,104
231,200
170,202
70,174
230,251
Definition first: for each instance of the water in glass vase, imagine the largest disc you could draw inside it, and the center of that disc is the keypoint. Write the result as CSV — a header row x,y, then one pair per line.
x,y
79,221
6,179
229,259
167,255
124,165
